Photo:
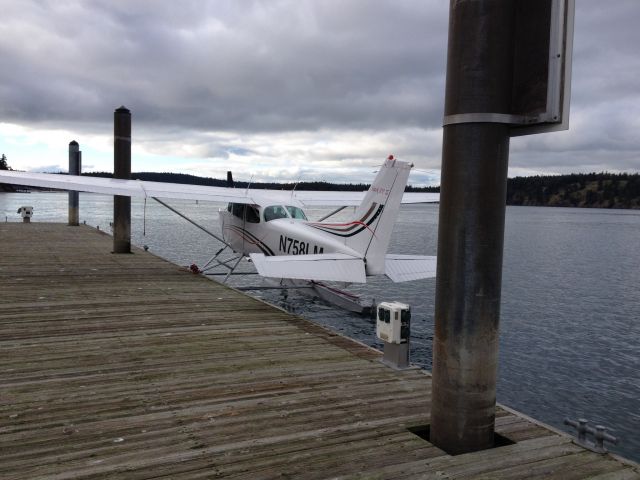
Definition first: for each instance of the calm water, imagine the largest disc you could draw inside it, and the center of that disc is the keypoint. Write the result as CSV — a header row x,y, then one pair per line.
x,y
570,324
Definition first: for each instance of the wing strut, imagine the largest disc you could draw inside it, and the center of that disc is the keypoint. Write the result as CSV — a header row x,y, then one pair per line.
x,y
189,220
226,263
339,209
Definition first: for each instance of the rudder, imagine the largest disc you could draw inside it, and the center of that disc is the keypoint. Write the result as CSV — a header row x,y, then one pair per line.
x,y
369,231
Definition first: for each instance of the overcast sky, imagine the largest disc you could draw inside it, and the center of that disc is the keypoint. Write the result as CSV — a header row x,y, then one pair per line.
x,y
283,89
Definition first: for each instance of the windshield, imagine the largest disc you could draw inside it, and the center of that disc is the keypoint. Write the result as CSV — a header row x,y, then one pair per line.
x,y
296,212
274,212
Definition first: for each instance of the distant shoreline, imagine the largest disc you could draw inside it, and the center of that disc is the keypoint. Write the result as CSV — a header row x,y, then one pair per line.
x,y
590,190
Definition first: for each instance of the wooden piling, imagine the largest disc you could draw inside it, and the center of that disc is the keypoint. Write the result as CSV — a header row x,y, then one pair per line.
x,y
122,169
75,168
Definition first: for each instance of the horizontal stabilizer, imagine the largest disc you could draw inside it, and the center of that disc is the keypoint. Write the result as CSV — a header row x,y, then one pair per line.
x,y
335,267
402,268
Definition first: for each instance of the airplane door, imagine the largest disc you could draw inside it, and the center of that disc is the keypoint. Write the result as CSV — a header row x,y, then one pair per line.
x,y
251,219
244,228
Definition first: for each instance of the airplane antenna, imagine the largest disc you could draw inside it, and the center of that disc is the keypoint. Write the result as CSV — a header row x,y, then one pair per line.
x,y
294,187
248,185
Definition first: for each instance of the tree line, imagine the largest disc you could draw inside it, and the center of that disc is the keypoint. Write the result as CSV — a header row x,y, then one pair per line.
x,y
183,178
594,190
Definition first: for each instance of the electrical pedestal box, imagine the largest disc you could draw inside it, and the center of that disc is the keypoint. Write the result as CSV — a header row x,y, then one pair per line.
x,y
393,327
393,323
27,213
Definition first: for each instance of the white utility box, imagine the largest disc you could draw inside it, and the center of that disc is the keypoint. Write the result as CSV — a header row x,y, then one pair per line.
x,y
27,213
393,323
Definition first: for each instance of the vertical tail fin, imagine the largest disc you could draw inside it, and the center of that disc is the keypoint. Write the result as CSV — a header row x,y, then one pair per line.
x,y
369,232
378,211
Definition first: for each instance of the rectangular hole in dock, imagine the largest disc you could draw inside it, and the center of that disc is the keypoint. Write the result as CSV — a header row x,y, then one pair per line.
x,y
424,431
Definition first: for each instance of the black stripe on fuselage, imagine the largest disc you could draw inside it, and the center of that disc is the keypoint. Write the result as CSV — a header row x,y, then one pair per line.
x,y
254,240
351,234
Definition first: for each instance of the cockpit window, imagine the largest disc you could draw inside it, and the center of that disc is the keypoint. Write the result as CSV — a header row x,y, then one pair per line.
x,y
296,212
252,214
274,212
237,210
249,213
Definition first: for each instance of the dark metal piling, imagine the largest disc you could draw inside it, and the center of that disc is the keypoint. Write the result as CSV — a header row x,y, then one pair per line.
x,y
122,169
75,168
470,235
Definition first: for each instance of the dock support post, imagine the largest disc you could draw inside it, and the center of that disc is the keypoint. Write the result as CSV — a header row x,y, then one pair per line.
x,y
396,355
471,226
122,169
75,168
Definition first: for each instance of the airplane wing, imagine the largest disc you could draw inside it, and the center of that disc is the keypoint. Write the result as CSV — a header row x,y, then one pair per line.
x,y
402,268
336,267
144,189
135,188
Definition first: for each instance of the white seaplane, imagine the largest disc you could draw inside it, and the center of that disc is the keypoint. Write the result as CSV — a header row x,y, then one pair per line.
x,y
271,228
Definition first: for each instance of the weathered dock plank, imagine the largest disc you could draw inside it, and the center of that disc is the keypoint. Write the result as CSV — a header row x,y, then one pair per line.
x,y
127,366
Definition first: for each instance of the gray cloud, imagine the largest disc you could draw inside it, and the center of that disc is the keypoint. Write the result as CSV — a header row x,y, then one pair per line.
x,y
252,66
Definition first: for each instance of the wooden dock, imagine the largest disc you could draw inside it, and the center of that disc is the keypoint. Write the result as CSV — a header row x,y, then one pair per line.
x,y
127,366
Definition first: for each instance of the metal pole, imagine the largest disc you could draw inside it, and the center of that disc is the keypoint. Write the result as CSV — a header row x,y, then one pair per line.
x,y
471,226
75,167
122,169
